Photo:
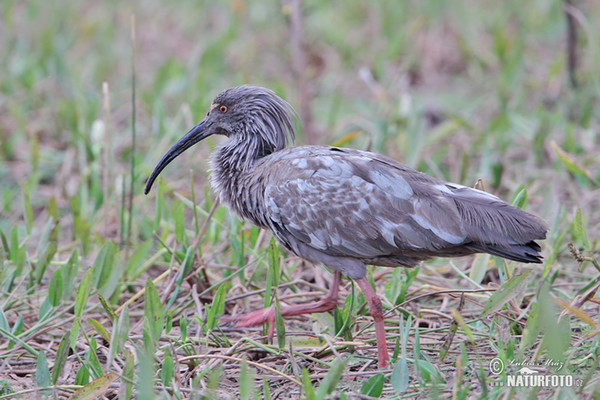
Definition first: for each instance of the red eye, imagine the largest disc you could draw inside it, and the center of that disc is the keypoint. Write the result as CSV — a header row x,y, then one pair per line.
x,y
223,109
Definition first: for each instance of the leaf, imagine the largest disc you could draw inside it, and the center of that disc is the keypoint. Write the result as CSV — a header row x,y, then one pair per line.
x,y
14,249
42,263
5,244
570,163
137,259
183,327
15,339
74,333
329,383
216,309
91,356
61,357
266,390
53,209
45,310
479,267
69,273
557,332
531,330
461,322
179,224
448,341
55,289
95,388
373,386
579,230
83,376
166,373
520,198
28,210
103,266
127,383
83,293
99,328
279,325
428,372
246,381
3,321
42,373
508,291
17,329
153,312
272,273
45,250
309,390
107,308
578,312
120,333
400,376
80,302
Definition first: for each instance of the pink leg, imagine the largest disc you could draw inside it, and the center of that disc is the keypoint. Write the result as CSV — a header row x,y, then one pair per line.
x,y
268,314
376,310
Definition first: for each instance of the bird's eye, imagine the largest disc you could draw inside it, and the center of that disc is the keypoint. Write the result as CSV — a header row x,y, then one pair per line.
x,y
223,109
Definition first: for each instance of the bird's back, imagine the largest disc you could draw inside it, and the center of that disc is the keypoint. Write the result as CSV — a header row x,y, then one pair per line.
x,y
353,204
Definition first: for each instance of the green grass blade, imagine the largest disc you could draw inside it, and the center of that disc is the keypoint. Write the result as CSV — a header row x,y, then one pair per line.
x,y
55,290
579,230
9,335
329,383
28,210
3,321
400,376
42,372
279,325
103,269
107,308
520,198
505,293
246,381
166,372
95,389
153,312
61,357
216,309
373,386
128,377
307,386
120,333
99,328
83,293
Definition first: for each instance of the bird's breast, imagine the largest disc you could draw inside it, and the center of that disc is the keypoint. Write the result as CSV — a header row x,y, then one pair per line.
x,y
241,191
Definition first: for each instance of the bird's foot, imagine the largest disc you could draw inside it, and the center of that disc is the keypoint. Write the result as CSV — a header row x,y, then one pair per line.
x,y
255,318
268,314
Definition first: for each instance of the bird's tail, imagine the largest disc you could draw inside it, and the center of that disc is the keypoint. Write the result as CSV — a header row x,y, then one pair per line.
x,y
497,228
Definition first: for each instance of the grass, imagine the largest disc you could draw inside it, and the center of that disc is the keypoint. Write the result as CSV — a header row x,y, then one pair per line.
x,y
92,306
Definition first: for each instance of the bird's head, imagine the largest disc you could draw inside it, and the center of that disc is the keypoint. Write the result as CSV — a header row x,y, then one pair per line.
x,y
253,118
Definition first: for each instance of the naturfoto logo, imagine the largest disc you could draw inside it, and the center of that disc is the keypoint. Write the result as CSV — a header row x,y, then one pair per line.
x,y
528,374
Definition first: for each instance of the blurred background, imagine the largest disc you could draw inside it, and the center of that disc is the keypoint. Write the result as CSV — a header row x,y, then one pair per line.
x,y
503,92
461,90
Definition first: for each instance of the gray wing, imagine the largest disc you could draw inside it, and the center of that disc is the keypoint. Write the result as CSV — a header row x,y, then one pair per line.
x,y
356,204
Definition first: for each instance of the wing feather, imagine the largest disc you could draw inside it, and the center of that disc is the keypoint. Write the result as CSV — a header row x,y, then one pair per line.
x,y
356,204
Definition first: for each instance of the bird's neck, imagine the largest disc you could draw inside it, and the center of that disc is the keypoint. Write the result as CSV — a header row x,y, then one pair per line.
x,y
233,175
237,155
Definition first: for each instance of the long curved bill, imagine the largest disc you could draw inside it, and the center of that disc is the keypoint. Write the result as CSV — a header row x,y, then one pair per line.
x,y
196,134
